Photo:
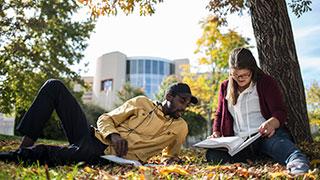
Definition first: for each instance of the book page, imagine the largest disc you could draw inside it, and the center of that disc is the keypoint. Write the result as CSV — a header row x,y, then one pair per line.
x,y
120,160
230,142
245,144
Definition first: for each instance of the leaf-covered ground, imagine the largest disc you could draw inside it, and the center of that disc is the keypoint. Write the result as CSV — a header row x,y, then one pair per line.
x,y
193,166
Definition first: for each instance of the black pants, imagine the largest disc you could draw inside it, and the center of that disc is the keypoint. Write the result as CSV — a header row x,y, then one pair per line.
x,y
53,95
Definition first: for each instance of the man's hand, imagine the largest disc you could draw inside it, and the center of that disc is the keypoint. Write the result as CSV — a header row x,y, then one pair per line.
x,y
215,134
268,128
119,144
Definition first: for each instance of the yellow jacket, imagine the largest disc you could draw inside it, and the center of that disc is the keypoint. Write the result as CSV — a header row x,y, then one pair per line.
x,y
148,131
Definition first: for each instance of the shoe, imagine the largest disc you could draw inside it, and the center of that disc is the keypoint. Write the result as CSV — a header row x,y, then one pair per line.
x,y
9,156
297,167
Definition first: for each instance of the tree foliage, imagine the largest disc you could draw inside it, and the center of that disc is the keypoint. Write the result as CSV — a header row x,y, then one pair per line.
x,y
221,8
160,96
38,40
313,100
196,123
92,112
127,92
101,7
213,47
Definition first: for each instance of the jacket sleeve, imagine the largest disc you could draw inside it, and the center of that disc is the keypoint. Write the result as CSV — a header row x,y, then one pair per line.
x,y
174,148
218,115
274,100
108,122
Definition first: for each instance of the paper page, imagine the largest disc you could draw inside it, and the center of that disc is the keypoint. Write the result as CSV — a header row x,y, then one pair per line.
x,y
245,144
120,160
229,142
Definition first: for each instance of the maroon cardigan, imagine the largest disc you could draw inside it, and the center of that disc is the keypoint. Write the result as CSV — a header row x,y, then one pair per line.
x,y
270,99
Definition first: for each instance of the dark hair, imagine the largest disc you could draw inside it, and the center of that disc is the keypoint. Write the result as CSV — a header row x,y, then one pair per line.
x,y
241,58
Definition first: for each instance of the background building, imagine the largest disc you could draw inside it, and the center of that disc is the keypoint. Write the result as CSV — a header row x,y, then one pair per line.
x,y
6,125
115,68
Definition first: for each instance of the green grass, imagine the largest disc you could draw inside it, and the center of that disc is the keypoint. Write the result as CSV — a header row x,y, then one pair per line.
x,y
13,142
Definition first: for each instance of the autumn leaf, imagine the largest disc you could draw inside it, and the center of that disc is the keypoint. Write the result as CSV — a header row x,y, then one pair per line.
x,y
88,170
275,175
315,162
166,170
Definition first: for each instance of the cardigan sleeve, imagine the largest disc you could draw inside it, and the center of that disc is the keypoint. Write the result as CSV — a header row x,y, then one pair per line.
x,y
218,114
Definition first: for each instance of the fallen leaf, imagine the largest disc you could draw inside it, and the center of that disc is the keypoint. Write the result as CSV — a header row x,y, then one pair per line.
x,y
166,170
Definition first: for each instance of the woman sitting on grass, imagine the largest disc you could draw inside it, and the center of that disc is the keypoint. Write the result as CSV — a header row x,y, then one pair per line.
x,y
249,102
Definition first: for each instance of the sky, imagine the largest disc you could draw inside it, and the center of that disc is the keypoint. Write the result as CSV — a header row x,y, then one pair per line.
x,y
173,30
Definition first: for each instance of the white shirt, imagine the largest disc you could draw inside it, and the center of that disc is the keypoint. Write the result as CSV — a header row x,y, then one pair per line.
x,y
246,112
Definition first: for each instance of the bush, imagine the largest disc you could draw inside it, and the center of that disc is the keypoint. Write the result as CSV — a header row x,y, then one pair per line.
x,y
197,124
92,113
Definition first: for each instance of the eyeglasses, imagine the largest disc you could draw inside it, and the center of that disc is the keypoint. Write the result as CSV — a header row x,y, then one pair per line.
x,y
242,76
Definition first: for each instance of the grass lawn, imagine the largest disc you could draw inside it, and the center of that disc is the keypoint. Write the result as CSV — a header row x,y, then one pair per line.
x,y
192,167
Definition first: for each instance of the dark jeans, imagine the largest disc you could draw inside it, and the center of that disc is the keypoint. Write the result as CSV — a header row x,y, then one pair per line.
x,y
279,147
53,95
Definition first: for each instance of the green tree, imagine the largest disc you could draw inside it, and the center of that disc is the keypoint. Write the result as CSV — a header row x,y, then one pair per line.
x,y
196,123
92,112
38,40
277,52
127,92
214,48
313,100
102,7
164,86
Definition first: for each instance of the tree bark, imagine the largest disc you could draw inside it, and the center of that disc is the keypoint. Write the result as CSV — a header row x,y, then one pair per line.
x,y
278,58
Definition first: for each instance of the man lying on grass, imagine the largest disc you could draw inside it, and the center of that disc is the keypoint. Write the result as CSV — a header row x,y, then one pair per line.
x,y
137,130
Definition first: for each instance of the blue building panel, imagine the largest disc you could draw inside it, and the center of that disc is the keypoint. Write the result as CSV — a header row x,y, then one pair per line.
x,y
148,73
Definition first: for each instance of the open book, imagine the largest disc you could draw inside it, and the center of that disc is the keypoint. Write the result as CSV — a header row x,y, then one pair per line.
x,y
233,144
120,160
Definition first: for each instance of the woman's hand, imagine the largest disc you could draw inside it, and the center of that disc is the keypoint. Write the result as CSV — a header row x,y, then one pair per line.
x,y
215,134
268,128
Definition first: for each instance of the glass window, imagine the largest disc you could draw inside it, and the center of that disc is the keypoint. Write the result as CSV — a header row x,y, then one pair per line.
x,y
140,81
148,66
161,67
166,68
172,68
133,67
148,91
132,79
128,67
155,67
106,85
140,68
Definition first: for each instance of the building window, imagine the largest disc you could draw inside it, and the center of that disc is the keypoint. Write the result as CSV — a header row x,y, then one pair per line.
x,y
128,67
148,66
161,67
140,66
154,67
107,85
172,68
133,67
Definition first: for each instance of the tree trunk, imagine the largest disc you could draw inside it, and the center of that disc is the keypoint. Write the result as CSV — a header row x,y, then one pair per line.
x,y
278,57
